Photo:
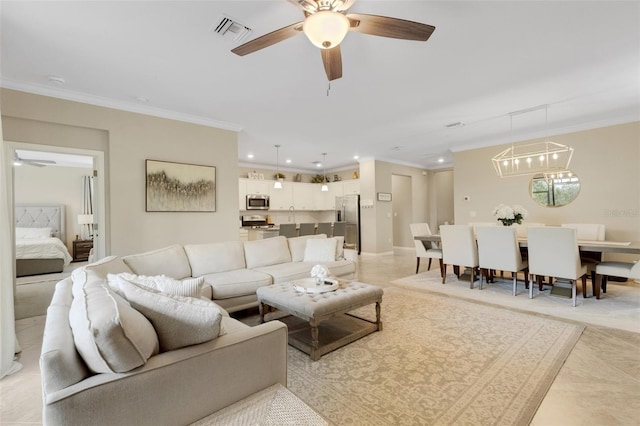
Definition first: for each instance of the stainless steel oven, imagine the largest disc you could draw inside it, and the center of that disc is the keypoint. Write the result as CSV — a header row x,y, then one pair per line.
x,y
257,202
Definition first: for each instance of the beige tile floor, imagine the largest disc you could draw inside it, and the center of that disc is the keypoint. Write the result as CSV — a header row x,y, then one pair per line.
x,y
598,385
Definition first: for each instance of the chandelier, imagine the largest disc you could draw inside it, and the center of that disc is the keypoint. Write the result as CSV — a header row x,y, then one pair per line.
x,y
541,157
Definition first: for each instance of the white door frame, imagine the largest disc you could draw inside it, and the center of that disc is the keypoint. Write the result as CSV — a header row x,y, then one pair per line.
x,y
99,184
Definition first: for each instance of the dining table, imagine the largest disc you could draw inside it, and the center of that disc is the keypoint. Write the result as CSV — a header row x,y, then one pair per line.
x,y
590,249
628,247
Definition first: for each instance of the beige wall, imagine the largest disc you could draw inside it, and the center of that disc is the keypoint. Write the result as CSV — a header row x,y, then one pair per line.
x,y
127,140
377,223
441,198
607,161
60,185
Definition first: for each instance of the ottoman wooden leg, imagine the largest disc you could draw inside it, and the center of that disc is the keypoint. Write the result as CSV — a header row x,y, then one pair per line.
x,y
314,340
261,307
378,312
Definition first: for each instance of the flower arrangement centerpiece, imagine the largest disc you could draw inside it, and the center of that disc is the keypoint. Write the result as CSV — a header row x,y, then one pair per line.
x,y
509,215
319,272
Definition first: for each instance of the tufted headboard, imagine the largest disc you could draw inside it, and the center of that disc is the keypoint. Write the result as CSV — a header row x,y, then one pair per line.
x,y
42,216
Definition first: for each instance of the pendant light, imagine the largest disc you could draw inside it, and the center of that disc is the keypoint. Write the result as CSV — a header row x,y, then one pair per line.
x,y
277,184
325,187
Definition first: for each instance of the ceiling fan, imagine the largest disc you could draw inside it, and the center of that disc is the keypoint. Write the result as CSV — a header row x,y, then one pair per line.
x,y
17,161
326,24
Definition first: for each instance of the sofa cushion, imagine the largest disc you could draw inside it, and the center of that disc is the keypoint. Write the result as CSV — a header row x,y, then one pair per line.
x,y
297,246
217,257
269,251
240,282
110,335
109,265
171,261
179,321
337,268
288,271
320,250
189,287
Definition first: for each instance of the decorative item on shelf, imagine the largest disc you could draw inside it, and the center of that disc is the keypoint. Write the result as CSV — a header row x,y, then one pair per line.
x,y
509,215
318,179
278,176
253,175
319,272
539,157
324,187
297,177
336,178
355,175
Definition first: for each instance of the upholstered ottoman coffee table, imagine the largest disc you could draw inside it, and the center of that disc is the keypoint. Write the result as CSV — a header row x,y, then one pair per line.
x,y
331,308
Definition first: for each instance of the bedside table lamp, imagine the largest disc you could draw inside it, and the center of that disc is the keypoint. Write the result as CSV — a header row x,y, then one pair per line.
x,y
85,220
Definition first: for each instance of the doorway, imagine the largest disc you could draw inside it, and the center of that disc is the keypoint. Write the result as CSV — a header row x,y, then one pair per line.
x,y
37,175
402,205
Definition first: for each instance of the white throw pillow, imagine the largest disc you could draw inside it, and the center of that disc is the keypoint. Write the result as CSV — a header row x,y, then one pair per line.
x,y
110,335
32,233
178,321
189,287
320,250
339,247
297,245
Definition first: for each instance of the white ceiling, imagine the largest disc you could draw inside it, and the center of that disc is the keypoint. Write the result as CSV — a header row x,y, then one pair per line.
x,y
484,61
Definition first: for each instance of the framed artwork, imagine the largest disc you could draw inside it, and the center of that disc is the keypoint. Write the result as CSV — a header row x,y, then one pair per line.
x,y
384,196
179,187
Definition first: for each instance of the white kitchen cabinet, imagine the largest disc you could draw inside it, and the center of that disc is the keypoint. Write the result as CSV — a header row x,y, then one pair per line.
x,y
321,200
281,199
260,187
303,195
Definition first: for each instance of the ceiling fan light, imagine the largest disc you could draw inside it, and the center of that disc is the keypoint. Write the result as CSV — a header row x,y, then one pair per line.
x,y
326,29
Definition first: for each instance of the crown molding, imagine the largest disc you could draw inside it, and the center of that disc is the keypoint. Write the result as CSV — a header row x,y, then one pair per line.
x,y
84,98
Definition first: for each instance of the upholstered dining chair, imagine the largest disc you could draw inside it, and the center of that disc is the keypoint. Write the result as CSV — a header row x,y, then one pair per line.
x,y
307,229
614,269
589,232
459,248
288,230
553,252
423,230
498,249
325,228
339,229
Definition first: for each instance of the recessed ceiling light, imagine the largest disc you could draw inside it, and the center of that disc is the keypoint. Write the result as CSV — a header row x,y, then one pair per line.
x,y
355,157
440,160
288,160
58,81
250,156
319,165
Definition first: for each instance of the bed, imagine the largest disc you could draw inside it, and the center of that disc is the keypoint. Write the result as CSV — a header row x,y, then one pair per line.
x,y
40,232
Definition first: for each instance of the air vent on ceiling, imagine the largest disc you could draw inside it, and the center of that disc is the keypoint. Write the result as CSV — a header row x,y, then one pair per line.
x,y
456,124
229,27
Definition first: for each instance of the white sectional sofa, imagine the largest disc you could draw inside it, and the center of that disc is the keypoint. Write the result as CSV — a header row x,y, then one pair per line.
x,y
106,360
234,270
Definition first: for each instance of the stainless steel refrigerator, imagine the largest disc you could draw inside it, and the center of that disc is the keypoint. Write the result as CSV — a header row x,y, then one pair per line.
x,y
348,211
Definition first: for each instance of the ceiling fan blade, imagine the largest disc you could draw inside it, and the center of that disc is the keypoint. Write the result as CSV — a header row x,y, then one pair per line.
x,y
332,60
346,4
385,26
268,39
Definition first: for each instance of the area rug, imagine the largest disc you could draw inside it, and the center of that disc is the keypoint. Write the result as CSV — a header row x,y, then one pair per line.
x,y
618,308
437,361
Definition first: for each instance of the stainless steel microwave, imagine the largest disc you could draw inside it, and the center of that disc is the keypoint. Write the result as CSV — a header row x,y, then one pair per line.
x,y
257,202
